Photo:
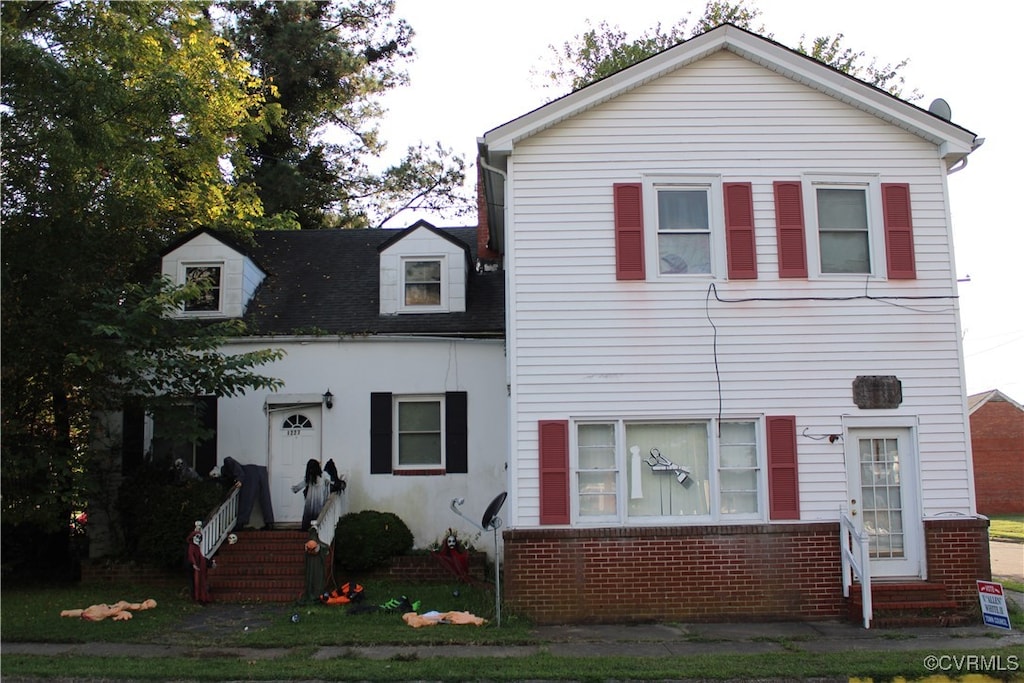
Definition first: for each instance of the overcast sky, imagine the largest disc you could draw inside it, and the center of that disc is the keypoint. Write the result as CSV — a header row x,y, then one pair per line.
x,y
475,69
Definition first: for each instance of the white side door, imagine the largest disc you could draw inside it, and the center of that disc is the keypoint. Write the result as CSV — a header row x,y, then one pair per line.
x,y
881,467
294,440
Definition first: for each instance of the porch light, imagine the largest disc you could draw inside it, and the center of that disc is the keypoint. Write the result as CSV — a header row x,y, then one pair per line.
x,y
328,399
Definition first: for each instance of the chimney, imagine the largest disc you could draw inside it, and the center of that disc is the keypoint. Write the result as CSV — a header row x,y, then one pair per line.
x,y
483,229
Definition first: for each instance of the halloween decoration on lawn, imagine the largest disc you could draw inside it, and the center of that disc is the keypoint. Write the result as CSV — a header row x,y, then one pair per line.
x,y
255,485
197,566
435,618
316,566
119,611
453,556
338,483
315,486
349,592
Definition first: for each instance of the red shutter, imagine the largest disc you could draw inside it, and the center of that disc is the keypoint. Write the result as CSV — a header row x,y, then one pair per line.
x,y
739,231
789,227
899,233
554,471
783,485
629,231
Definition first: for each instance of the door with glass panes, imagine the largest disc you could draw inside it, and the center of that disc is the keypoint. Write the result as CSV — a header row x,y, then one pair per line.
x,y
882,479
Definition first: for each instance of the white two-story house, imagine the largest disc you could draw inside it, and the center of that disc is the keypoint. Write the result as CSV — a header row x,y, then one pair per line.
x,y
732,318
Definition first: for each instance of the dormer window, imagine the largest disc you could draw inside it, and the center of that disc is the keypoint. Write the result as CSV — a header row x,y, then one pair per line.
x,y
423,282
423,270
208,276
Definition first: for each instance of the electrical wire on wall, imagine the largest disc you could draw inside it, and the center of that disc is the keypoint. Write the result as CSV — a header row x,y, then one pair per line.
x,y
889,300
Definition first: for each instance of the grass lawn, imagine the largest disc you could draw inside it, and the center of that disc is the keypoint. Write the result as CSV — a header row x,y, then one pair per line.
x,y
1007,527
32,615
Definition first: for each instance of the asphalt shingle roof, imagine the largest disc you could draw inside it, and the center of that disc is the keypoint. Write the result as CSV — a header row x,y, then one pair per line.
x,y
328,282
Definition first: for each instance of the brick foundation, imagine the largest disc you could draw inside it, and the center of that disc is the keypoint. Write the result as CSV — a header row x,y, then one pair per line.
x,y
718,573
958,555
405,568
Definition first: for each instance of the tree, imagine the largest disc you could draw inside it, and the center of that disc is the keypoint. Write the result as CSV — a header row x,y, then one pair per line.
x,y
325,64
604,50
123,125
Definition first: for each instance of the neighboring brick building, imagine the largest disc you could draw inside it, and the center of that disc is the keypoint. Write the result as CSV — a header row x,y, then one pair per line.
x,y
997,434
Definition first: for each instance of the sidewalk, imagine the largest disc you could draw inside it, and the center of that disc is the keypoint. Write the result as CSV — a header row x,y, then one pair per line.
x,y
642,640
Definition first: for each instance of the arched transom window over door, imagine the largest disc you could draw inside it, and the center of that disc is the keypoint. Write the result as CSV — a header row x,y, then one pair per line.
x,y
295,425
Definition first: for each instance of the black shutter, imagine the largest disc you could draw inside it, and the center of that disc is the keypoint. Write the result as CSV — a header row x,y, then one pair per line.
x,y
206,450
133,439
456,457
380,433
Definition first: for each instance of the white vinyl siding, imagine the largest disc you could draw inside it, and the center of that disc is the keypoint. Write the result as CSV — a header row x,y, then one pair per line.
x,y
239,276
583,345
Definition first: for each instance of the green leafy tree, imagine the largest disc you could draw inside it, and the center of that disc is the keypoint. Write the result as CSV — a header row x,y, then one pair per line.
x,y
604,50
326,64
123,125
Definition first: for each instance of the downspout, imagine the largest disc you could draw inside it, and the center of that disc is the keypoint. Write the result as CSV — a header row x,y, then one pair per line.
x,y
962,164
481,151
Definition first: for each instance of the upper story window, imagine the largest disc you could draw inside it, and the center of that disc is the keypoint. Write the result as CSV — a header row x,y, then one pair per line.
x,y
422,282
844,230
208,277
684,229
671,227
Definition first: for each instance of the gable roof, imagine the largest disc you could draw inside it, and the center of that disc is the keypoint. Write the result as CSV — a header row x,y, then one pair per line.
x,y
955,142
402,234
976,401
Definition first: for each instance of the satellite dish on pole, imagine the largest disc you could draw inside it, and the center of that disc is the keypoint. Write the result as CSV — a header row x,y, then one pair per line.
x,y
491,521
490,514
940,108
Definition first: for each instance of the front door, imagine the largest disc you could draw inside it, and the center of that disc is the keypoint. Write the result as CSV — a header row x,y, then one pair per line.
x,y
883,490
294,440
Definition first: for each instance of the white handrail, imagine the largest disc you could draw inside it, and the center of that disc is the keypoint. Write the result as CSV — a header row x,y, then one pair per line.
x,y
856,560
220,523
326,522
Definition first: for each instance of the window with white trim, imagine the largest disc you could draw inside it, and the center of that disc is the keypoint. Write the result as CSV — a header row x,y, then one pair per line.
x,y
656,471
423,284
687,225
419,432
845,228
208,277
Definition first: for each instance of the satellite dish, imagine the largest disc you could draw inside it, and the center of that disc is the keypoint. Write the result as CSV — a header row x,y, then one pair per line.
x,y
492,510
940,108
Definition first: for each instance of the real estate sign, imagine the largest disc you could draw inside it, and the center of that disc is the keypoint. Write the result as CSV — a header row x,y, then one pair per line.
x,y
993,604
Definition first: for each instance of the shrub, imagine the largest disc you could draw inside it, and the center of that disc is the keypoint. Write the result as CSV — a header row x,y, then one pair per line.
x,y
369,539
159,513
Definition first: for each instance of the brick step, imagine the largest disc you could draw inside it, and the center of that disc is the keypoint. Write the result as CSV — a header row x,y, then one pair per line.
x,y
263,566
918,603
258,571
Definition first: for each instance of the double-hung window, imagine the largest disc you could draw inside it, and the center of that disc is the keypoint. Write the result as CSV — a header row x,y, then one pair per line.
x,y
423,284
208,279
419,433
415,434
844,236
655,471
684,229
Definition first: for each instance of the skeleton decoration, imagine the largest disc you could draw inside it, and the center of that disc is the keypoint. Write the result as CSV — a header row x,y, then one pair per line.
x,y
659,463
